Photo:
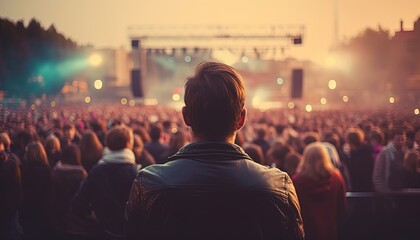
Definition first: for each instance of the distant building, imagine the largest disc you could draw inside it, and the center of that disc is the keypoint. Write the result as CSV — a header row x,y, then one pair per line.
x,y
406,61
407,36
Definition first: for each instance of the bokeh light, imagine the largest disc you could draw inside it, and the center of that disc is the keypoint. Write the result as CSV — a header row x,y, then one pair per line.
x,y
98,84
244,59
391,100
176,97
187,59
416,111
132,103
53,104
332,84
280,81
290,105
174,130
308,108
33,106
124,101
323,101
87,99
345,99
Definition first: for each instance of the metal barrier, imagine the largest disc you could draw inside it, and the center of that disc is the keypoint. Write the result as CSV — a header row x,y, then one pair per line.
x,y
390,215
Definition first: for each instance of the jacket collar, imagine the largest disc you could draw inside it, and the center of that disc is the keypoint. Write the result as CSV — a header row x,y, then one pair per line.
x,y
211,151
121,156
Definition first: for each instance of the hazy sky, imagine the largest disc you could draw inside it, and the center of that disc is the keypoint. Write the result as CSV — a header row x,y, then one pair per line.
x,y
104,23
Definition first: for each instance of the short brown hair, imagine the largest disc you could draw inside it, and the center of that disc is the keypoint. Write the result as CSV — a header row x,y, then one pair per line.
x,y
72,155
355,136
214,98
118,137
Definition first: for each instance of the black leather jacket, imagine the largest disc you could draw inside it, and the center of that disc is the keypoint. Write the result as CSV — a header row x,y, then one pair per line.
x,y
212,190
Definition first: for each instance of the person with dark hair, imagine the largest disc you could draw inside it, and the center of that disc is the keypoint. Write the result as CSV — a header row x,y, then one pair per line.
x,y
211,189
276,155
255,152
357,155
156,147
99,127
310,137
416,144
143,157
376,139
177,141
388,168
410,176
70,135
91,150
11,191
66,178
291,162
22,139
35,216
261,141
106,189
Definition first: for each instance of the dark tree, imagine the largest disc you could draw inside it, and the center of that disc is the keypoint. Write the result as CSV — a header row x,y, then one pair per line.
x,y
30,58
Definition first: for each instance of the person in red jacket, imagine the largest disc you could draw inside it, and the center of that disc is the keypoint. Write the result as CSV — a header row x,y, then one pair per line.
x,y
321,191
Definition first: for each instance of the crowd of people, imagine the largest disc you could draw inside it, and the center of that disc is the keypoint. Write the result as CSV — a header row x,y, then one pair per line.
x,y
47,154
66,171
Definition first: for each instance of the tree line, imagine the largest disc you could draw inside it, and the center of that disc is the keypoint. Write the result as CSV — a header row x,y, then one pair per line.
x,y
383,63
35,60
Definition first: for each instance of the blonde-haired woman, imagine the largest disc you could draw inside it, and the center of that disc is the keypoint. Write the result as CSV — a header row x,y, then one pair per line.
x,y
53,149
321,192
37,196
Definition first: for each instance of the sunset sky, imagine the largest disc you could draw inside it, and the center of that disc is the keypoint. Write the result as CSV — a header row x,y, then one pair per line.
x,y
104,23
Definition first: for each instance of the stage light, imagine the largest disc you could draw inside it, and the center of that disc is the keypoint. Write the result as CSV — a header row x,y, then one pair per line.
x,y
95,59
256,101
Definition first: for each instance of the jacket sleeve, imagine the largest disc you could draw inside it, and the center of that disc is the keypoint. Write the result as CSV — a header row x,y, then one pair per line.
x,y
379,173
132,223
81,203
296,222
